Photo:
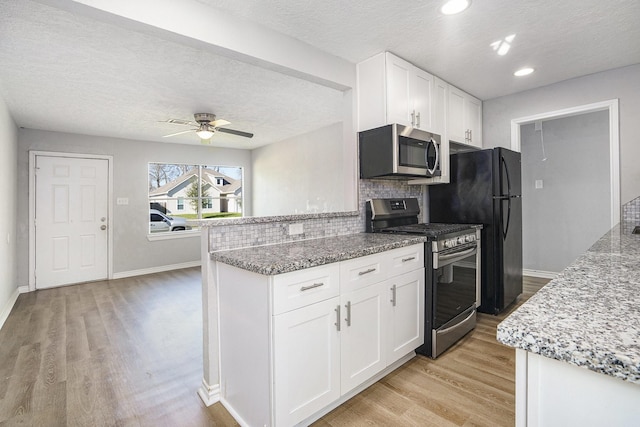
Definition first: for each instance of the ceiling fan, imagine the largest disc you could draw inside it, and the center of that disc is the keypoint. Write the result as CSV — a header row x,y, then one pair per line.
x,y
206,126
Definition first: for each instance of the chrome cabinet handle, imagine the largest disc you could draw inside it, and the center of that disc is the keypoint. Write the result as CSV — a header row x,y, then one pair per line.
x,y
393,295
411,258
418,120
470,135
413,117
337,309
362,273
348,318
315,285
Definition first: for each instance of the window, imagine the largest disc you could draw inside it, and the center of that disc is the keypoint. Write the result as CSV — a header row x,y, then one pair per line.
x,y
178,192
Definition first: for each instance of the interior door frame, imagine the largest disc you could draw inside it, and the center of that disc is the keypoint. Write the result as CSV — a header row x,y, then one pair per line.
x,y
32,207
614,141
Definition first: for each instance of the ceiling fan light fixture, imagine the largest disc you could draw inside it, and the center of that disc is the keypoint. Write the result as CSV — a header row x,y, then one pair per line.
x,y
204,133
454,6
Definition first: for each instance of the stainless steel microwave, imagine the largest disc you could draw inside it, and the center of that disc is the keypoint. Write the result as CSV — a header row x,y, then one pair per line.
x,y
399,152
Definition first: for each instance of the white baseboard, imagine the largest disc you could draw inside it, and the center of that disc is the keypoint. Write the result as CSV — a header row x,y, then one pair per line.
x,y
6,310
209,394
160,269
539,273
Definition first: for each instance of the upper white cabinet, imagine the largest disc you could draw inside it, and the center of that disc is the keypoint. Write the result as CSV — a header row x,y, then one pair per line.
x,y
392,90
464,118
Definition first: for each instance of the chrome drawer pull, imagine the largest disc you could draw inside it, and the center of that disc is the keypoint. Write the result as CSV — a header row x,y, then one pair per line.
x,y
337,310
362,273
348,318
393,295
315,285
408,259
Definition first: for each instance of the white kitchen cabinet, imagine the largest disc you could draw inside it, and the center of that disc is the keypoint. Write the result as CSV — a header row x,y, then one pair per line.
x,y
294,345
464,118
392,90
363,335
306,345
406,314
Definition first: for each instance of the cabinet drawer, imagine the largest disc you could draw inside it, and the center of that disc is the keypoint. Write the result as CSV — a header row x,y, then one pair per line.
x,y
359,272
404,260
304,287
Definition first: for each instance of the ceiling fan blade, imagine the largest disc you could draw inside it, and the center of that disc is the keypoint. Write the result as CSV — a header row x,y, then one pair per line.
x,y
235,132
179,133
219,122
178,122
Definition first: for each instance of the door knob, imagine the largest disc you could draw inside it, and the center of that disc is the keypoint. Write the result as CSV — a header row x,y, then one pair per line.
x,y
103,227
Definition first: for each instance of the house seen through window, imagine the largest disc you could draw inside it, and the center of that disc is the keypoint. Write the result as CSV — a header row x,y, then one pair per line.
x,y
178,192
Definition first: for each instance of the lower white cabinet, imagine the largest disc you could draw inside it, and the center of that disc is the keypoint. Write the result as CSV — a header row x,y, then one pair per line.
x,y
329,340
306,348
362,335
406,314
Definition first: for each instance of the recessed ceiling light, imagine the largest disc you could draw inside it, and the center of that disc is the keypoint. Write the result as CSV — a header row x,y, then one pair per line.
x,y
503,46
455,6
523,72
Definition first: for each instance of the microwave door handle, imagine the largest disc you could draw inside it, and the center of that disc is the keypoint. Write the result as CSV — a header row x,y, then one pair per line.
x,y
426,157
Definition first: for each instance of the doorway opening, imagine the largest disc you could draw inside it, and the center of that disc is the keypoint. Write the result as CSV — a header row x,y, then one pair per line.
x,y
572,176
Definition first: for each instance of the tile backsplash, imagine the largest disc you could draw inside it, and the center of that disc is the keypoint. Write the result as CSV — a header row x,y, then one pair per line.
x,y
631,211
243,235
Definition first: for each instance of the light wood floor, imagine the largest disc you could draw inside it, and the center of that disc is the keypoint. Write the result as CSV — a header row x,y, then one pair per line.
x,y
129,353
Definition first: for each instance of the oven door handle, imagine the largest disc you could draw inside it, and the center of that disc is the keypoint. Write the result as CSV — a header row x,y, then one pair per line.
x,y
442,260
444,331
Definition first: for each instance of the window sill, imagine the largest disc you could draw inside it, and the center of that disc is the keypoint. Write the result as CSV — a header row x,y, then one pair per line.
x,y
171,235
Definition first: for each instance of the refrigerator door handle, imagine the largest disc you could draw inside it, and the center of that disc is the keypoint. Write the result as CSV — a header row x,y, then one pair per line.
x,y
506,229
506,173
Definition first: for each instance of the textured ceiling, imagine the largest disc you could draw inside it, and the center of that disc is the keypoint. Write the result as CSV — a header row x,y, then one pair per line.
x,y
560,39
63,72
72,74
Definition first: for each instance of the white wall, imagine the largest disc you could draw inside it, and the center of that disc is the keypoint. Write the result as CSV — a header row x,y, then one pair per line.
x,y
300,175
8,211
571,211
622,83
132,250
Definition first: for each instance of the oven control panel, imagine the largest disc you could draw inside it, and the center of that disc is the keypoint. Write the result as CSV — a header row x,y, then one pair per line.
x,y
460,240
454,240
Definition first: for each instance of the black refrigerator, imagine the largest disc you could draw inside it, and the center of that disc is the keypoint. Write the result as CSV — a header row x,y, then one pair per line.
x,y
485,188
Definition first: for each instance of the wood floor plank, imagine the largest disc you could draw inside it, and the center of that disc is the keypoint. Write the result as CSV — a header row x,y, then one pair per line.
x,y
128,352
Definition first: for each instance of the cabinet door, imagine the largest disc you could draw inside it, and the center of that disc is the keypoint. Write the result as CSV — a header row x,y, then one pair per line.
x,y
473,120
399,105
306,350
421,94
439,107
363,335
455,119
406,315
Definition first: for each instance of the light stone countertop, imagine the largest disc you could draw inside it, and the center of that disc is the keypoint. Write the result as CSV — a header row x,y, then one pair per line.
x,y
589,315
287,257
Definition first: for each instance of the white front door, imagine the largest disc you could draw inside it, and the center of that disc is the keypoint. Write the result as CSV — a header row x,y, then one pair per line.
x,y
71,206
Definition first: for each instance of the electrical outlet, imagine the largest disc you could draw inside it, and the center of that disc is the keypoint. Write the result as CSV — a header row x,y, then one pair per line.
x,y
539,183
296,229
122,201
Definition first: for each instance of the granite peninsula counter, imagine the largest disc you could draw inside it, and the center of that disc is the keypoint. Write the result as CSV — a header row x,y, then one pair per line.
x,y
292,256
587,317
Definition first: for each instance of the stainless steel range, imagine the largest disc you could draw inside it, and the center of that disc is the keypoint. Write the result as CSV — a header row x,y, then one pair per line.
x,y
452,268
